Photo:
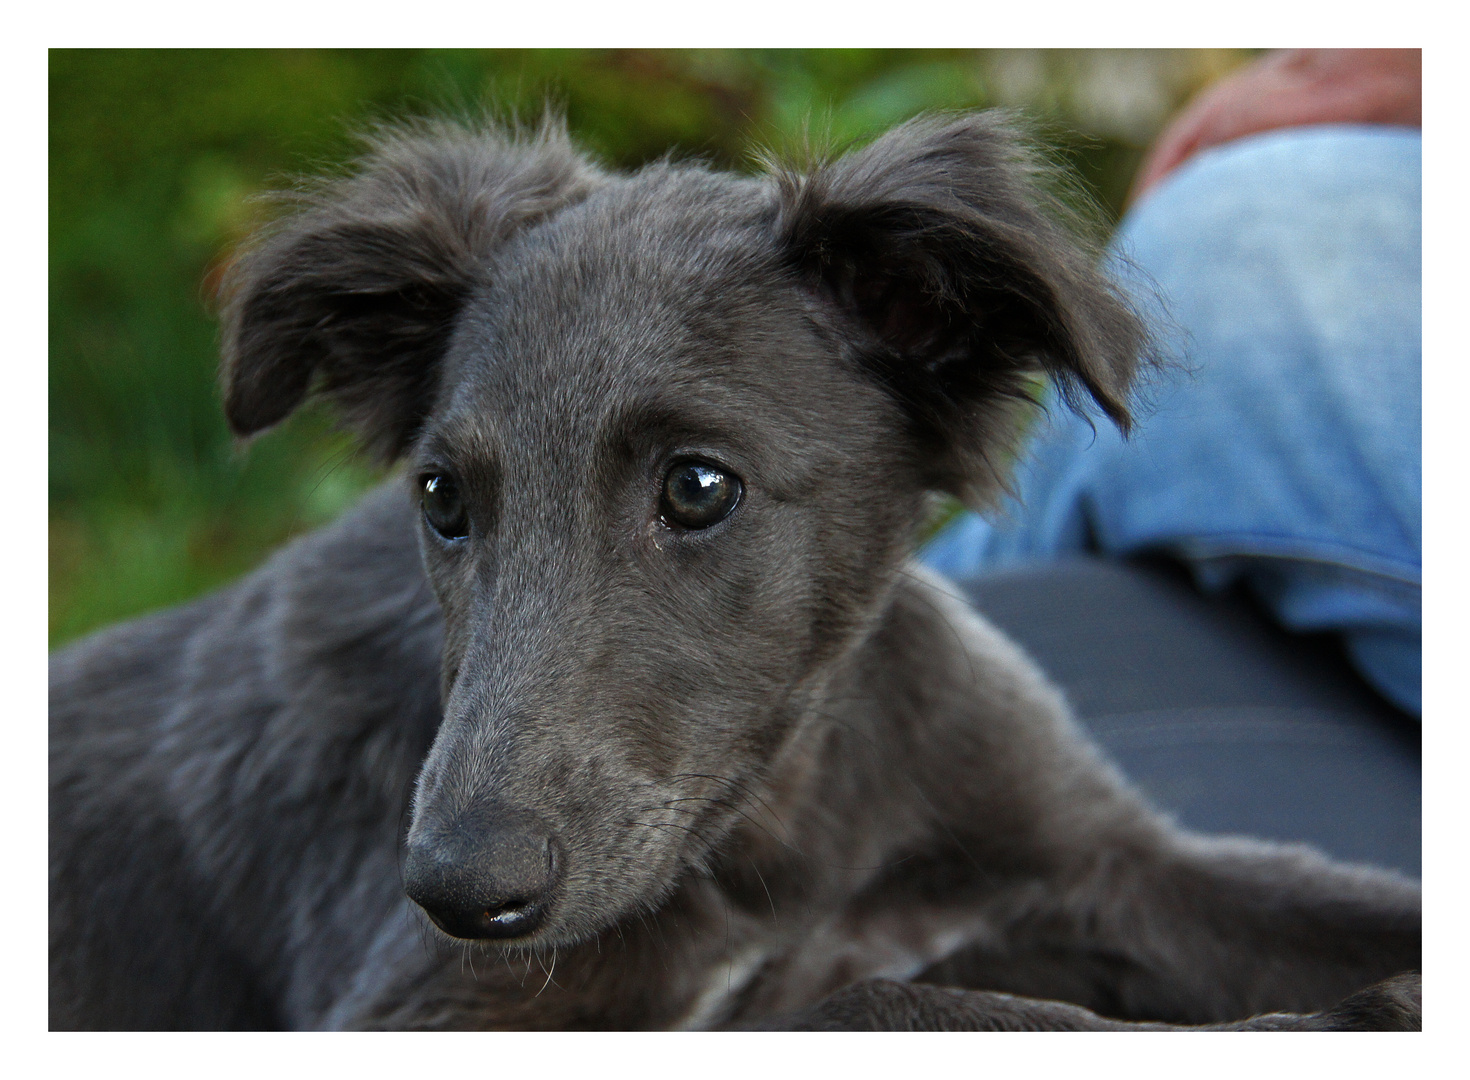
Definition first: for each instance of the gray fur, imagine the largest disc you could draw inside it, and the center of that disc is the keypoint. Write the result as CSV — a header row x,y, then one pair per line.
x,y
773,760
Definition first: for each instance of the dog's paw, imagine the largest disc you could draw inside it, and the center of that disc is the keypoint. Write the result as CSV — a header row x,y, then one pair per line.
x,y
1391,1005
876,1005
884,1005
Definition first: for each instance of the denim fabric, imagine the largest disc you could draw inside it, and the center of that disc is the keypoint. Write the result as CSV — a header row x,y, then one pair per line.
x,y
1284,450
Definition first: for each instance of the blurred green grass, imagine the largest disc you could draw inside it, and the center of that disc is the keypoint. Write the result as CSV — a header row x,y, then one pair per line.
x,y
155,157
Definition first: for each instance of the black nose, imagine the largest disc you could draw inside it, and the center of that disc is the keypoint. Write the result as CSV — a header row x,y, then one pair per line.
x,y
484,875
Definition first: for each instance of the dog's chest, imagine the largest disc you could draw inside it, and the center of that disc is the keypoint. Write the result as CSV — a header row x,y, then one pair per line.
x,y
777,964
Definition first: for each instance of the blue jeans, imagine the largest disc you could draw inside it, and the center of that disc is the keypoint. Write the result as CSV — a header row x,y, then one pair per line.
x,y
1284,451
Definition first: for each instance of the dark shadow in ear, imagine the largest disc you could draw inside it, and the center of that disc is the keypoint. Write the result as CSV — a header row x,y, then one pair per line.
x,y
355,294
964,284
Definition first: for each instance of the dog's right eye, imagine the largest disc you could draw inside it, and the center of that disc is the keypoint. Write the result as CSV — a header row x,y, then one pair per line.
x,y
444,509
698,495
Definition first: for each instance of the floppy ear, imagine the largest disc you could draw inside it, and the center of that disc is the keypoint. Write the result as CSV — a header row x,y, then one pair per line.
x,y
948,257
355,294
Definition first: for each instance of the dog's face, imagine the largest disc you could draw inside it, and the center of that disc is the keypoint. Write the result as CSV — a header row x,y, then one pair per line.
x,y
671,434
657,498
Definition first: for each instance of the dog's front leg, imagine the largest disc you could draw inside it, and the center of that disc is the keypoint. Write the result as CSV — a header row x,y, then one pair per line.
x,y
884,1005
1201,930
1045,875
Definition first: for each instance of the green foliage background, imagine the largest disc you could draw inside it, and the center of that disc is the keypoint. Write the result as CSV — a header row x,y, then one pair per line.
x,y
155,157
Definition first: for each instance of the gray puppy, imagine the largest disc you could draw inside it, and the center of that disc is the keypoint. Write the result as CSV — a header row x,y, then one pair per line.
x,y
689,742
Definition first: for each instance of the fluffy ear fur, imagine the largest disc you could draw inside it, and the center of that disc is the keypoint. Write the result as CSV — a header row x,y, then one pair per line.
x,y
356,293
939,243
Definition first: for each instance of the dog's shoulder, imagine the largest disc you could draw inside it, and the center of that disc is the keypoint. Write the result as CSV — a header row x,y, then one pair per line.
x,y
353,601
932,637
958,723
935,663
335,595
334,641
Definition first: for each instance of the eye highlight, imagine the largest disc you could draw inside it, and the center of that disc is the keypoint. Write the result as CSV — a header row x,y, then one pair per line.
x,y
443,508
697,494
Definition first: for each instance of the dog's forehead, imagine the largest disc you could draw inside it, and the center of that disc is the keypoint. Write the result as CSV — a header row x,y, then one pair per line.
x,y
663,285
645,261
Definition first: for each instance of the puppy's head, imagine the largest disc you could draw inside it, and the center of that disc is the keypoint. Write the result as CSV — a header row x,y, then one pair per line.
x,y
670,434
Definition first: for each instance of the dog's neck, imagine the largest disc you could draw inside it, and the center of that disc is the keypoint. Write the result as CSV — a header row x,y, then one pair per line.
x,y
800,851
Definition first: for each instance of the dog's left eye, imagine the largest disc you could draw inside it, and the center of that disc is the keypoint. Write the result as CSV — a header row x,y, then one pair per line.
x,y
444,509
698,495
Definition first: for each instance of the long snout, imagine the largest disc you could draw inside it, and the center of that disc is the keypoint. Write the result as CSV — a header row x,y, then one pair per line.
x,y
488,873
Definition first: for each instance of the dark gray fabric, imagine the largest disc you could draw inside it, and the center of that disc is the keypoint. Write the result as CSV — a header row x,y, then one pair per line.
x,y
1224,719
